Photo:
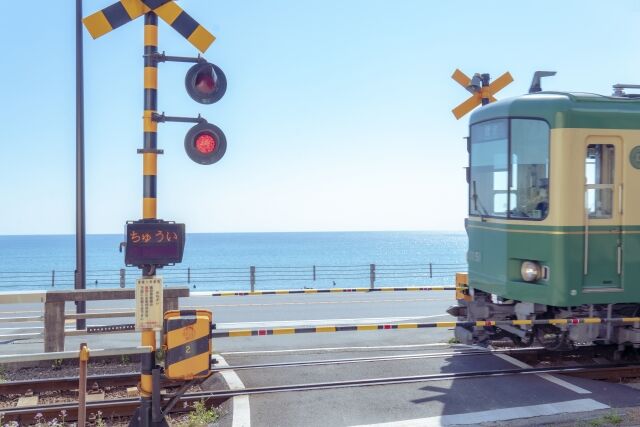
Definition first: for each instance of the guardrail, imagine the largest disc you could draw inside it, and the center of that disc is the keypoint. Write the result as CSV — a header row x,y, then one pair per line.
x,y
316,275
54,316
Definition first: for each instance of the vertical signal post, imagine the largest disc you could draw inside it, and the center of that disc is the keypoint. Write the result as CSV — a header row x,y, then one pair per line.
x,y
150,126
149,195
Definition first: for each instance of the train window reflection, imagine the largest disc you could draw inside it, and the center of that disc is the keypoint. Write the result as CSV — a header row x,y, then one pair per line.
x,y
529,184
489,168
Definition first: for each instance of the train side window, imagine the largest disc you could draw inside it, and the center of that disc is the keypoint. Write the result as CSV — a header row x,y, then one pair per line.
x,y
599,173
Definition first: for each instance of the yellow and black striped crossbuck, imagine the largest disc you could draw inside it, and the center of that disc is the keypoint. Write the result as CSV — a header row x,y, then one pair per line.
x,y
124,11
187,335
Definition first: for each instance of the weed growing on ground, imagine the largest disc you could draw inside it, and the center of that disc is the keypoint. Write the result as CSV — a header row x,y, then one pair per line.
x,y
611,419
453,340
200,416
124,359
99,421
56,365
3,378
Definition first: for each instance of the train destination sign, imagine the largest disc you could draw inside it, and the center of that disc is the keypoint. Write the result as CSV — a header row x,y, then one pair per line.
x,y
154,243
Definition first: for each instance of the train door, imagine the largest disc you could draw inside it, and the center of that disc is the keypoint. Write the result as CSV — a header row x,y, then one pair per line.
x,y
602,216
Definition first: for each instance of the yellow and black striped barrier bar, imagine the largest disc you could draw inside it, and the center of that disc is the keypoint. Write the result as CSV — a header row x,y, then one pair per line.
x,y
375,327
331,291
396,326
125,11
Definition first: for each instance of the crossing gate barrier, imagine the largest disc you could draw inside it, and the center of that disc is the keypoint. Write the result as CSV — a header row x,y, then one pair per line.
x,y
187,343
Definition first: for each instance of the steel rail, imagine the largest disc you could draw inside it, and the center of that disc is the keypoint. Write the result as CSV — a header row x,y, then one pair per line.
x,y
399,357
125,379
108,408
70,383
410,379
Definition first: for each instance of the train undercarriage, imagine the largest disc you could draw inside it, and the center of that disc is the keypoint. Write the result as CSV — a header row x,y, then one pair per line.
x,y
481,306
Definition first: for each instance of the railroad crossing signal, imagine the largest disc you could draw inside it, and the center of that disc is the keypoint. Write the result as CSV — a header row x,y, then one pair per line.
x,y
482,91
153,243
124,11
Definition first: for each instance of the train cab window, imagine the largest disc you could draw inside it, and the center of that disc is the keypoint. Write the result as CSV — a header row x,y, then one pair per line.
x,y
599,169
529,186
509,169
489,168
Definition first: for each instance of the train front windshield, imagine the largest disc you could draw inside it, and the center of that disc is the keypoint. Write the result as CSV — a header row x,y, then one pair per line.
x,y
509,174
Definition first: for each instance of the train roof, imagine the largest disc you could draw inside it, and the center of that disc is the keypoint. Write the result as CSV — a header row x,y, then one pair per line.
x,y
567,110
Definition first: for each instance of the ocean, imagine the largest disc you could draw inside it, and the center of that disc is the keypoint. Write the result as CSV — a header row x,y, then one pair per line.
x,y
222,261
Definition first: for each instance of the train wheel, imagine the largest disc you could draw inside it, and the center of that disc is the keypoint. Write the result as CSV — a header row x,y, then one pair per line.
x,y
552,338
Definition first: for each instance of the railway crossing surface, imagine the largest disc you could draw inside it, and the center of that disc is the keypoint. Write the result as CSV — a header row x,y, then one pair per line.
x,y
404,353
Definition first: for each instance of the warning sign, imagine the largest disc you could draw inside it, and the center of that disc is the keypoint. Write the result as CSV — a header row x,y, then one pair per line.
x,y
149,303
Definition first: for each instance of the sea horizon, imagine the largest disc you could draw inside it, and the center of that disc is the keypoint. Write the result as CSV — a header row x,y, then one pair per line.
x,y
223,261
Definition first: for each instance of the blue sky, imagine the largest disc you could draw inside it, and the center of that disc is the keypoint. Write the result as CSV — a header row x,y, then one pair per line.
x,y
337,113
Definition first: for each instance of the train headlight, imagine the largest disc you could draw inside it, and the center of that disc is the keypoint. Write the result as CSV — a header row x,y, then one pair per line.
x,y
530,271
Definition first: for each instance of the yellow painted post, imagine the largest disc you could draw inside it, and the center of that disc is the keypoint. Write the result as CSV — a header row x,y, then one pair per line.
x,y
149,201
82,384
462,287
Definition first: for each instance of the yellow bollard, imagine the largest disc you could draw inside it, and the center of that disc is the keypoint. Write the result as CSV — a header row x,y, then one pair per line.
x,y
82,385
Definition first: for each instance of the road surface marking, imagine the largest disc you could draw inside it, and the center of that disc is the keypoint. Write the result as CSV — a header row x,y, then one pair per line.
x,y
241,415
321,322
548,377
572,406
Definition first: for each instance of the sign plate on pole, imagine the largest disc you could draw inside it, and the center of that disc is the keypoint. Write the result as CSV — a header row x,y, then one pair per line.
x,y
149,294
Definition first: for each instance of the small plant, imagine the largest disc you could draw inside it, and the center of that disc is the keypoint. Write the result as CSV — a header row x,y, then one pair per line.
x,y
99,421
201,416
160,355
63,415
56,365
453,340
39,419
612,418
125,359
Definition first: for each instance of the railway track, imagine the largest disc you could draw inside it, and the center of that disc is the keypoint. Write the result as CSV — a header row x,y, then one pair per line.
x,y
125,407
131,379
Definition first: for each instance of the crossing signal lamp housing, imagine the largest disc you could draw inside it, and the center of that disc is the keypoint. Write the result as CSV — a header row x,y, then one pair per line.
x,y
205,143
205,83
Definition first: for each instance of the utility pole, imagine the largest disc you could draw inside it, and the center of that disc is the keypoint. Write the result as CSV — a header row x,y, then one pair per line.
x,y
80,278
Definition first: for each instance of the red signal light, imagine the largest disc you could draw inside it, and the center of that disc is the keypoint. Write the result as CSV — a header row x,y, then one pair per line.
x,y
205,143
205,83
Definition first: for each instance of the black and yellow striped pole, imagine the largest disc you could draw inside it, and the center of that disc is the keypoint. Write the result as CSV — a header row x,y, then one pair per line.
x,y
149,195
150,150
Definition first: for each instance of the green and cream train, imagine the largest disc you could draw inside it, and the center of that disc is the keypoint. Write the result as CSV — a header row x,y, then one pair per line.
x,y
554,217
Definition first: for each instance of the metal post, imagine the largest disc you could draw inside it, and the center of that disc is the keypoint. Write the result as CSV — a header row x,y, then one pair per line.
x,y
81,274
314,273
149,201
53,278
252,277
430,271
122,278
188,275
372,275
486,79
